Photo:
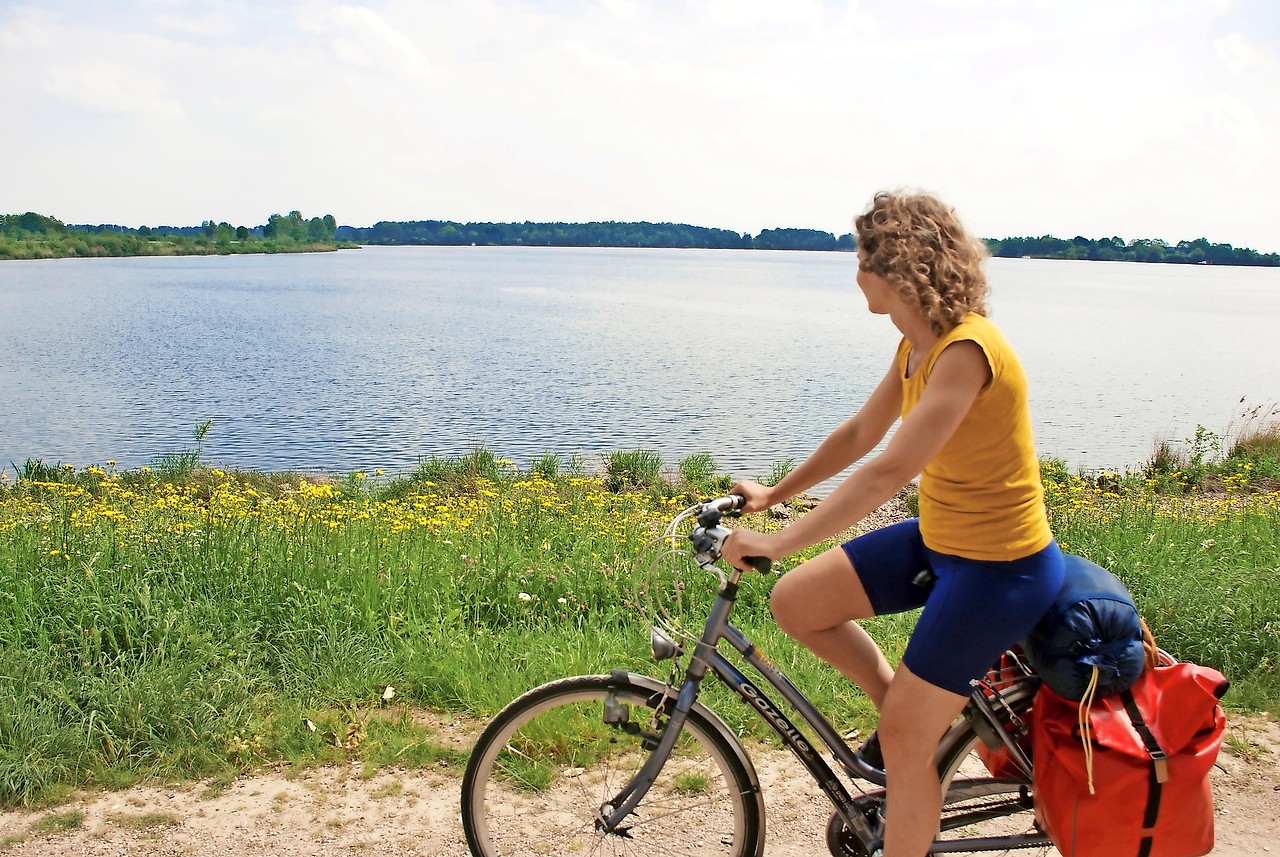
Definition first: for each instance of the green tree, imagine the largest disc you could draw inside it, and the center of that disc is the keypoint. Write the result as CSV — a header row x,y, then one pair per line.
x,y
32,222
275,227
794,239
1148,249
296,226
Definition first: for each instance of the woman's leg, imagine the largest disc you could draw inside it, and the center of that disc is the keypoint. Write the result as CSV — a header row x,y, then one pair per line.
x,y
912,721
816,603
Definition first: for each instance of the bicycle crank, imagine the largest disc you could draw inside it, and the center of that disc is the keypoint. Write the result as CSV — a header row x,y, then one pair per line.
x,y
842,842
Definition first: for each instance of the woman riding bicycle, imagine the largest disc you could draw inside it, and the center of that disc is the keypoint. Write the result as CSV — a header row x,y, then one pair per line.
x,y
983,531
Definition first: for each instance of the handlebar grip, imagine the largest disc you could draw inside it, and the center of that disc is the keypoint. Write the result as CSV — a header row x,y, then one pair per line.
x,y
731,503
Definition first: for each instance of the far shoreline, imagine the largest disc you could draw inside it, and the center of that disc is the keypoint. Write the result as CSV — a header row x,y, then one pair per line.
x,y
295,251
33,236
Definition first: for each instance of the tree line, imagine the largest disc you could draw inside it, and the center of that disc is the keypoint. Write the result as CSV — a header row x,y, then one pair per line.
x,y
38,236
1196,252
643,234
596,234
31,235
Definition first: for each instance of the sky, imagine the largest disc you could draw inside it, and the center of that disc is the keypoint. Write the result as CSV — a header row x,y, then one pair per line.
x,y
1136,118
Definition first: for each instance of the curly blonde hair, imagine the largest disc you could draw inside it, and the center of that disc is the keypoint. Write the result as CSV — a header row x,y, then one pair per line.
x,y
917,244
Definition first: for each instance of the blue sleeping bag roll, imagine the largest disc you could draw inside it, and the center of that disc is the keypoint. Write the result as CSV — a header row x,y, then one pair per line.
x,y
1093,623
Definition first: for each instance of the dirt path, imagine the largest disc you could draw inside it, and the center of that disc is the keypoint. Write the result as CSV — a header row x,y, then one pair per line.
x,y
335,810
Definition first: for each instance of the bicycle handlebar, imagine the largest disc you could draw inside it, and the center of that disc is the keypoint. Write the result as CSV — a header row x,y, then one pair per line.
x,y
731,503
709,535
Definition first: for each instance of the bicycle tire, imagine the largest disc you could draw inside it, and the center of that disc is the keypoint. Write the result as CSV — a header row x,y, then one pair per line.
x,y
541,769
999,810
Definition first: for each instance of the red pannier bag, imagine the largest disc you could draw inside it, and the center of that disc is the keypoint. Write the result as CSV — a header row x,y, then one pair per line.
x,y
1128,774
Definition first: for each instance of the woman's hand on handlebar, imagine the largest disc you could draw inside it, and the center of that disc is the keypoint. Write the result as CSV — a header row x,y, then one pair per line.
x,y
758,496
742,544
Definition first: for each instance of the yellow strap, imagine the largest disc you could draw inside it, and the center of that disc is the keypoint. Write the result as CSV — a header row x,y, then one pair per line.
x,y
1086,702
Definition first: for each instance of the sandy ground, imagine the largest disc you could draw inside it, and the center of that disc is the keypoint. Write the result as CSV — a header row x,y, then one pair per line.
x,y
336,810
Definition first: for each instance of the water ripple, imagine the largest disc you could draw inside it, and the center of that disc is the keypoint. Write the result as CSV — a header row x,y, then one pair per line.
x,y
378,357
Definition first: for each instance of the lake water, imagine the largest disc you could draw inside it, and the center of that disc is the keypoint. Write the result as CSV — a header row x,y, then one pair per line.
x,y
374,358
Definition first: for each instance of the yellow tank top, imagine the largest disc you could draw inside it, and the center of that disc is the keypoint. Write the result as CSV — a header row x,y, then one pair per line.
x,y
981,496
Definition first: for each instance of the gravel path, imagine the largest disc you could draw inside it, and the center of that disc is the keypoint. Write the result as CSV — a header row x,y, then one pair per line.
x,y
336,810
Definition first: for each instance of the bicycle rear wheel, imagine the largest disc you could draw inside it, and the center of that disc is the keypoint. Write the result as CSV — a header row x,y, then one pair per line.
x,y
983,813
542,769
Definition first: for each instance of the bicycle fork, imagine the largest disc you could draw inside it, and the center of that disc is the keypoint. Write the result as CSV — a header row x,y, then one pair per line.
x,y
615,811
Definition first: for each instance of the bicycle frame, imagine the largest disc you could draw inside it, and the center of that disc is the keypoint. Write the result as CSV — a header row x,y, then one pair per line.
x,y
706,656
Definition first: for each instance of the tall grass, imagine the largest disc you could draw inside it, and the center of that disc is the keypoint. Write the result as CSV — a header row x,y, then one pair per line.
x,y
635,468
700,473
154,626
180,465
778,472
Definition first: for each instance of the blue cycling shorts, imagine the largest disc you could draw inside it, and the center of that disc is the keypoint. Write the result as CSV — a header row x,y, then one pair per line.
x,y
973,612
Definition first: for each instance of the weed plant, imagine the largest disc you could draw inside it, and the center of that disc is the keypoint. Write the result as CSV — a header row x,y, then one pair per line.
x,y
161,625
699,471
636,468
181,465
778,472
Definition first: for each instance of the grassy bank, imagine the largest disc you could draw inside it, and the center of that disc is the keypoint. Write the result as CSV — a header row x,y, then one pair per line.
x,y
185,621
37,236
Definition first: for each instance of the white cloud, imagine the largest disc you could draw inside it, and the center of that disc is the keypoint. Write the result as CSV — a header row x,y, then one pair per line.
x,y
217,23
1240,56
360,37
26,30
736,15
110,88
624,11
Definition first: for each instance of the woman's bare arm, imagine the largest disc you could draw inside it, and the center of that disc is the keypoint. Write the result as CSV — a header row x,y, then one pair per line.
x,y
958,376
850,441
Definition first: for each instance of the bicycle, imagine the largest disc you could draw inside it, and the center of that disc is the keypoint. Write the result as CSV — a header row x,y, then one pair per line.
x,y
624,763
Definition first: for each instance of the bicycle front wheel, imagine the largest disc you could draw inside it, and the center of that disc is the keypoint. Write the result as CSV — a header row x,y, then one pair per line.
x,y
542,769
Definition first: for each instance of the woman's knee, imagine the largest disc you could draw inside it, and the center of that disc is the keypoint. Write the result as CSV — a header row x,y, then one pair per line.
x,y
903,737
787,602
819,595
